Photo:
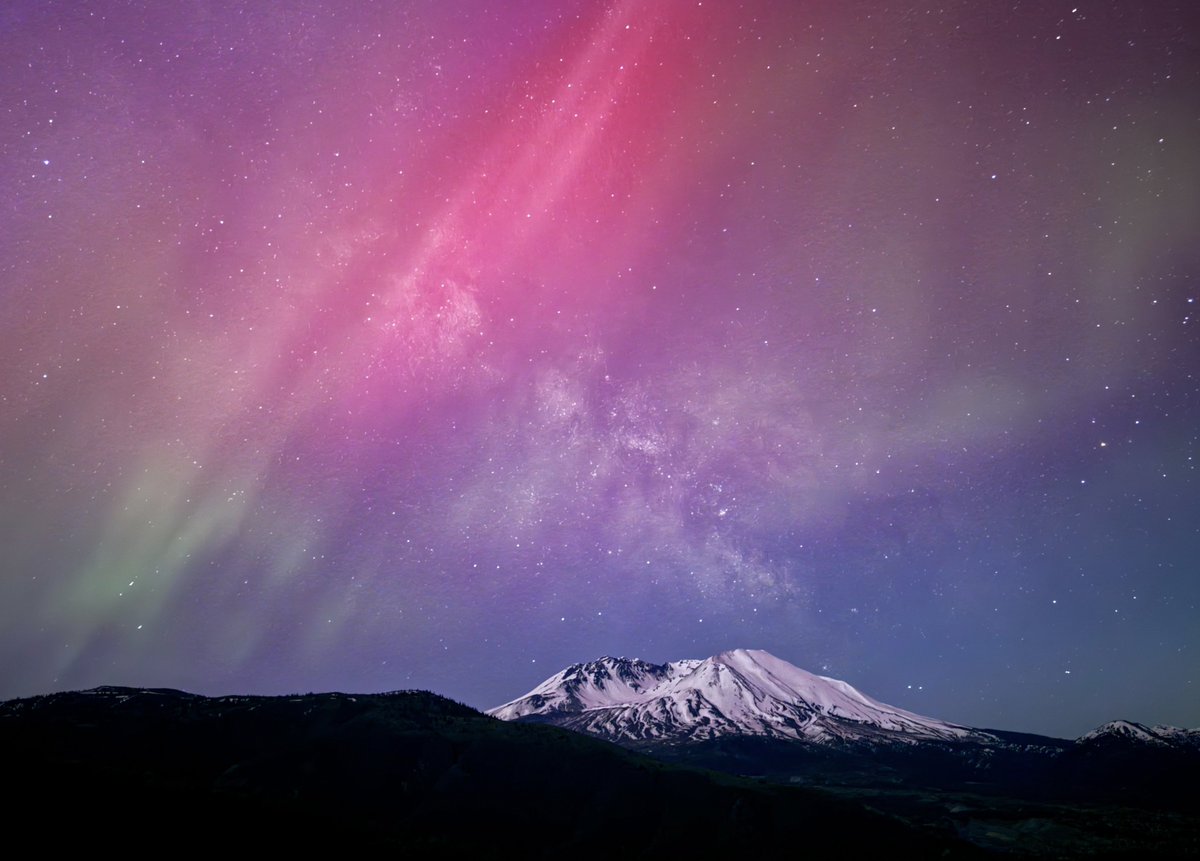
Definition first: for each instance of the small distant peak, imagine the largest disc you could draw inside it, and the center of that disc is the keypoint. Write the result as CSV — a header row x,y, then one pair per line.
x,y
1124,726
1126,729
1174,731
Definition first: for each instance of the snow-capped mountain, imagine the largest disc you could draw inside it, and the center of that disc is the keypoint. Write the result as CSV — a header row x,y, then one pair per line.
x,y
1124,731
741,692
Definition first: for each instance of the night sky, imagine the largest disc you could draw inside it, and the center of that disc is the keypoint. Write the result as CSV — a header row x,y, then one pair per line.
x,y
366,346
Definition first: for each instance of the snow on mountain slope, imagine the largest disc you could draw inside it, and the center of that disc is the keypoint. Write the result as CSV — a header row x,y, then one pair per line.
x,y
587,686
1157,736
1122,729
741,692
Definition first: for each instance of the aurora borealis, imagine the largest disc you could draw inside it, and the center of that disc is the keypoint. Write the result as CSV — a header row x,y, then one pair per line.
x,y
368,346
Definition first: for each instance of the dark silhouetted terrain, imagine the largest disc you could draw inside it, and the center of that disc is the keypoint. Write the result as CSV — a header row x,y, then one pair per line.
x,y
163,770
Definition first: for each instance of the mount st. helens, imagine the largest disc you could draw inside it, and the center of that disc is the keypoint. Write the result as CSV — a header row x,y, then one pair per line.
x,y
749,713
751,694
742,692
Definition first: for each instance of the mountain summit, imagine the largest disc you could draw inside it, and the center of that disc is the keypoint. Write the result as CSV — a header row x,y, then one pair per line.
x,y
1124,732
743,692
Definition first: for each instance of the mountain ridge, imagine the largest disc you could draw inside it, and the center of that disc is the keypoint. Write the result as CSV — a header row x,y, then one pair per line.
x,y
407,771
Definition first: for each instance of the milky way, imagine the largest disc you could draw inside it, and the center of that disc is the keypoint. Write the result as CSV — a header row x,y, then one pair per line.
x,y
441,345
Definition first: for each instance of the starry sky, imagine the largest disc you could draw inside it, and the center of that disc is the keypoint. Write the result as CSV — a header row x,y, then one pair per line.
x,y
365,346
